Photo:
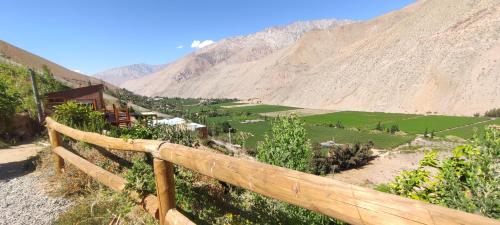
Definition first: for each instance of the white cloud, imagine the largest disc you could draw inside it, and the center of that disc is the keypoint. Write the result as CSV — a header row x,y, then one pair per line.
x,y
180,46
201,44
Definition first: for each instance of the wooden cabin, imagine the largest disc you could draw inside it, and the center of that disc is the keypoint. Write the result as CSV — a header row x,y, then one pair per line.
x,y
91,95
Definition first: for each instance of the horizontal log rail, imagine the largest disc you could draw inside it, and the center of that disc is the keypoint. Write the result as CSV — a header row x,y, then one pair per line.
x,y
114,182
347,202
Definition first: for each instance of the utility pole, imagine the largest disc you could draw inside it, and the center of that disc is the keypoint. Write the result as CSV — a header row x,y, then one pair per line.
x,y
35,95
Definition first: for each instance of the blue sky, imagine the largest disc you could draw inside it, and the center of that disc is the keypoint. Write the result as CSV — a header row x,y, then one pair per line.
x,y
92,35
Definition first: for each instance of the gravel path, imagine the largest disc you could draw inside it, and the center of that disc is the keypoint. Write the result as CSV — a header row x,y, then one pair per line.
x,y
22,198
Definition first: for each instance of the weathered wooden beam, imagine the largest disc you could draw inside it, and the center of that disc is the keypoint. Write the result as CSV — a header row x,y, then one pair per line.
x,y
55,141
174,217
165,186
137,145
116,183
350,203
105,177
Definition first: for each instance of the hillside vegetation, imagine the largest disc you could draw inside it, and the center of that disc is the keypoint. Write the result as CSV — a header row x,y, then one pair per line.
x,y
16,94
10,53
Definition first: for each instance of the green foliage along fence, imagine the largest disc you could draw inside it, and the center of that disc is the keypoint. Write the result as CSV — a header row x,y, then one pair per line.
x,y
468,180
80,116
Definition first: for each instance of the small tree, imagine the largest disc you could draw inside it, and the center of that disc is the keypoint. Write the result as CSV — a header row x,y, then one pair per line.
x,y
287,145
493,113
426,132
379,127
394,128
339,125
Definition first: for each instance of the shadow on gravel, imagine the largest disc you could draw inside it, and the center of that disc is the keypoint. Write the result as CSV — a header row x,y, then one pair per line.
x,y
15,169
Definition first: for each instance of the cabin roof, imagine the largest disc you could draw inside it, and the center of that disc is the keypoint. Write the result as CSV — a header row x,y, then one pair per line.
x,y
73,93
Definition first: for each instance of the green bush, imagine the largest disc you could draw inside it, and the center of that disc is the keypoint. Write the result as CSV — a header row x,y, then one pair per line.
x,y
141,177
394,129
287,146
173,134
80,116
350,156
16,81
469,180
320,164
9,99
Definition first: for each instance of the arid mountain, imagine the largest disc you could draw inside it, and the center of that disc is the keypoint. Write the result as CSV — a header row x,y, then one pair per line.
x,y
71,78
119,75
237,50
436,55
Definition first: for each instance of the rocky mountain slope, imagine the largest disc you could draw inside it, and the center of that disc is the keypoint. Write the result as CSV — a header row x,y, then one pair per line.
x,y
10,53
235,50
433,56
119,75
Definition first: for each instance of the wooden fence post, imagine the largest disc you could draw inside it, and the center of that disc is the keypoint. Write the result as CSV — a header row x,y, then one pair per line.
x,y
165,187
55,141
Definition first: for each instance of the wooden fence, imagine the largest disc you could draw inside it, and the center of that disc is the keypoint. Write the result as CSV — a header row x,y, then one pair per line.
x,y
347,202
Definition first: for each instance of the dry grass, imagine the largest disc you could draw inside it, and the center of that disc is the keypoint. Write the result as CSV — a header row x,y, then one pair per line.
x,y
93,202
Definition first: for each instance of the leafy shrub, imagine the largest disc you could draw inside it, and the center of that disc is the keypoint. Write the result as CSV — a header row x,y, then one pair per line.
x,y
468,180
346,156
80,116
320,165
8,102
287,146
394,129
138,131
16,81
141,177
226,127
240,138
493,113
174,134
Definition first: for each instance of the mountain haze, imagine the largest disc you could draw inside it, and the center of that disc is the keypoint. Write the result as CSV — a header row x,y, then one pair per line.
x,y
433,56
119,75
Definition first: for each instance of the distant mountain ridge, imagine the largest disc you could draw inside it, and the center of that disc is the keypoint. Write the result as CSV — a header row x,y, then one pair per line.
x,y
121,74
71,78
241,49
432,56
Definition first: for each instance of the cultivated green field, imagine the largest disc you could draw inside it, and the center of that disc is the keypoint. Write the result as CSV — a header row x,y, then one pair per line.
x,y
322,134
468,131
356,119
260,108
381,140
418,125
320,129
